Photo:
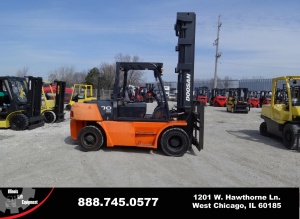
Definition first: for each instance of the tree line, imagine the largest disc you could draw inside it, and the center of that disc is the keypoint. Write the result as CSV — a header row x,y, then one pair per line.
x,y
104,74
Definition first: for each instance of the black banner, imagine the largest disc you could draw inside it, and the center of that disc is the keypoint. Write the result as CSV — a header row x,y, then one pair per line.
x,y
92,202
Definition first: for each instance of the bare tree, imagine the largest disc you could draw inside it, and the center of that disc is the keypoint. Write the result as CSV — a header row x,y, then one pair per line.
x,y
79,77
227,82
68,75
22,72
134,77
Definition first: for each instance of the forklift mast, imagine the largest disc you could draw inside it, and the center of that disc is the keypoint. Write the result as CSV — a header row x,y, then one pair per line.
x,y
34,97
185,30
59,100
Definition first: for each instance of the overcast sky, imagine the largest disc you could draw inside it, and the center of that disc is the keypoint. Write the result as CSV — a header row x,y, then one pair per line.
x,y
258,38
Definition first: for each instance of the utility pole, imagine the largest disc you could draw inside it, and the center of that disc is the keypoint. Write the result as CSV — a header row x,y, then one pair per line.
x,y
218,54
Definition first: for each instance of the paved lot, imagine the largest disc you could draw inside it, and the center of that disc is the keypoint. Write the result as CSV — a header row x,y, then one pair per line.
x,y
234,155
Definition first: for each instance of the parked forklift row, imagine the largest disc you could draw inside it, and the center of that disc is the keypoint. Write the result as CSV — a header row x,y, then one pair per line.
x,y
234,99
280,112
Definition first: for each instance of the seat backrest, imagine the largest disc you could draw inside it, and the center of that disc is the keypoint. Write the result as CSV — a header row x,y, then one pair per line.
x,y
4,98
158,113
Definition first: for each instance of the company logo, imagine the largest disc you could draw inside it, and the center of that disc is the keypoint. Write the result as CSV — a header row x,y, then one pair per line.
x,y
188,87
15,198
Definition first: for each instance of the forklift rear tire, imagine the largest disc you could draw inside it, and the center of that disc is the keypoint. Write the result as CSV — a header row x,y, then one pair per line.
x,y
50,117
290,132
19,122
90,138
175,142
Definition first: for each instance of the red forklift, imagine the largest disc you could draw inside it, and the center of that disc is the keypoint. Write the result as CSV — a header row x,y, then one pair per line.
x,y
149,90
253,99
201,94
140,93
218,97
265,97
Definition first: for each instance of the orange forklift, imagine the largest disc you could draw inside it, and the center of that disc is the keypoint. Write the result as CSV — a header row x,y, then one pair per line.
x,y
121,122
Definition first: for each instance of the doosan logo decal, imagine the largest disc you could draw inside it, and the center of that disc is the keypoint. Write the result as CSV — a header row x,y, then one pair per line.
x,y
188,87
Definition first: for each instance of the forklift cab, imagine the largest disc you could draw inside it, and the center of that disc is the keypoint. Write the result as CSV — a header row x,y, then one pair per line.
x,y
125,107
20,102
237,100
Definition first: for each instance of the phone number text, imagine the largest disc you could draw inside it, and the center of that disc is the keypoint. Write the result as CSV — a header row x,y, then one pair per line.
x,y
140,202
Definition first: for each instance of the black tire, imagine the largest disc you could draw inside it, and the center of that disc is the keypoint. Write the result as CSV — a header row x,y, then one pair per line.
x,y
216,105
90,138
68,107
19,122
289,136
263,129
50,116
174,142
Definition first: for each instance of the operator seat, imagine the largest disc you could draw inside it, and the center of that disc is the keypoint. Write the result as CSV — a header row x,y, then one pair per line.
x,y
159,112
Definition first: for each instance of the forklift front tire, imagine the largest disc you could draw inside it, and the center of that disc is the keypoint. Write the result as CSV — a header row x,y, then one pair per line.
x,y
90,138
175,142
68,107
19,122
